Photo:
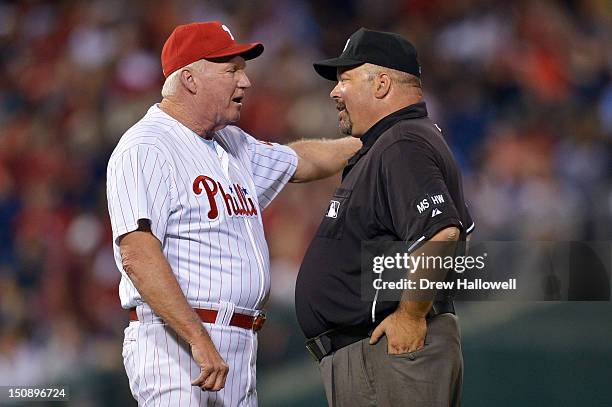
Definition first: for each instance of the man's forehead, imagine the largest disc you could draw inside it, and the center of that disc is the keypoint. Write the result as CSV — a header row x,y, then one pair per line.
x,y
235,60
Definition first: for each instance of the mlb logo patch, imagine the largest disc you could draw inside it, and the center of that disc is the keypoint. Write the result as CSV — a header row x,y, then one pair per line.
x,y
332,212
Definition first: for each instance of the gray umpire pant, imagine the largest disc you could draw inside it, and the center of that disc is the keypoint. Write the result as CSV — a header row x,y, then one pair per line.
x,y
366,375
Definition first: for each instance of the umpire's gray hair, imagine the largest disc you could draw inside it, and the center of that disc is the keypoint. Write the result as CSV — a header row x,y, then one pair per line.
x,y
399,77
172,82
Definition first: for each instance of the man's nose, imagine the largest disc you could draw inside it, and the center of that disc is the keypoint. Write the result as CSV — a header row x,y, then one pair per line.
x,y
335,92
244,81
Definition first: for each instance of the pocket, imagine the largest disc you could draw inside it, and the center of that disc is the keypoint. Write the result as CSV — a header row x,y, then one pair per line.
x,y
129,341
411,355
129,337
130,348
333,221
415,353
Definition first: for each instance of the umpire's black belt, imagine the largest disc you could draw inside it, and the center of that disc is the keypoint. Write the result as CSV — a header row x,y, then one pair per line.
x,y
334,339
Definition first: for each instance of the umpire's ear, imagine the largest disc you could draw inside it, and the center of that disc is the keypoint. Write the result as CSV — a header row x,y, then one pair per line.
x,y
382,85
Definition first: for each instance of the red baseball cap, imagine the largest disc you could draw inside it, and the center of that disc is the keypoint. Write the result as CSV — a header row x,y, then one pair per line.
x,y
212,39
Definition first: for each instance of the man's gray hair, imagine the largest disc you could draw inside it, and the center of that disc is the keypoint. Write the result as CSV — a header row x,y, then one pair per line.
x,y
172,82
402,78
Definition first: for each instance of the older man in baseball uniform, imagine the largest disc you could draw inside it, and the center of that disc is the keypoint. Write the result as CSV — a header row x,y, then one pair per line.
x,y
185,194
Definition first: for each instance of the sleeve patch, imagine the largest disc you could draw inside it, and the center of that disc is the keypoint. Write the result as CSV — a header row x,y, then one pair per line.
x,y
430,204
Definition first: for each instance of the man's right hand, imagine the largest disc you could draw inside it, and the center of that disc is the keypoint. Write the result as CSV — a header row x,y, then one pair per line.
x,y
213,369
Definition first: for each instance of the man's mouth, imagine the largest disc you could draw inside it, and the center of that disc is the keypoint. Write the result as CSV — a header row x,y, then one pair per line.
x,y
237,99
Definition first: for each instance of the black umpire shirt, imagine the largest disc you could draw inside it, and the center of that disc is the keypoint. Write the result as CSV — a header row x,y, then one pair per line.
x,y
403,185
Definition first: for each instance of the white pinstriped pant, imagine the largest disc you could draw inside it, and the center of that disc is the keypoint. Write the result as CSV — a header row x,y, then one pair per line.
x,y
160,368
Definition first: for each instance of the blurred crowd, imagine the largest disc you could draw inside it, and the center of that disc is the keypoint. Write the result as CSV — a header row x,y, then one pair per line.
x,y
521,89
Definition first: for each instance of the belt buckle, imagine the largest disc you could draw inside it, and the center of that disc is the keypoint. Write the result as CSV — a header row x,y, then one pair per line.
x,y
317,349
258,321
312,352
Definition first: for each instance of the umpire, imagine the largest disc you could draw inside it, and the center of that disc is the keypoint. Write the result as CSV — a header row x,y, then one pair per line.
x,y
403,185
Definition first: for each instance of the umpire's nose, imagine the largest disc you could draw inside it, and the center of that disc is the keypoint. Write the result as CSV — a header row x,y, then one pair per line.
x,y
335,92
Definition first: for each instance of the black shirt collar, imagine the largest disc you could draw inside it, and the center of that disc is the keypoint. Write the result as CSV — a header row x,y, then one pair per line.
x,y
368,139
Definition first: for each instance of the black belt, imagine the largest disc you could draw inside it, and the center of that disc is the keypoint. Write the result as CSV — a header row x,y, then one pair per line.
x,y
334,339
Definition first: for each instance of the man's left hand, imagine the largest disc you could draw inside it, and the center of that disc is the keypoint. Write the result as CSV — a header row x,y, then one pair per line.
x,y
405,333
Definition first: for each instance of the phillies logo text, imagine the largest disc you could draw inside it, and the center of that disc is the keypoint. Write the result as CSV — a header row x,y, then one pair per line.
x,y
236,202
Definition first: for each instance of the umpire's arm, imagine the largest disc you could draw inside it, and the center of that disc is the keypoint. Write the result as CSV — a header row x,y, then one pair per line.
x,y
145,264
406,328
322,158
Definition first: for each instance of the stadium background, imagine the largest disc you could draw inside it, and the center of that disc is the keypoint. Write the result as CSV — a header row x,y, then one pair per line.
x,y
521,89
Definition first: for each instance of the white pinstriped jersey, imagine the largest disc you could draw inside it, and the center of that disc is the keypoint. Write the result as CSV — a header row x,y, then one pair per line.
x,y
204,200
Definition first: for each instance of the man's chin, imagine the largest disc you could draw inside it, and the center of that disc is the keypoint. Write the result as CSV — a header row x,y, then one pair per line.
x,y
345,126
234,118
344,130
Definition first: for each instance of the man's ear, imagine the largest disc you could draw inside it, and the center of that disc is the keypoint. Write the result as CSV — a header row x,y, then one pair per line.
x,y
382,85
188,81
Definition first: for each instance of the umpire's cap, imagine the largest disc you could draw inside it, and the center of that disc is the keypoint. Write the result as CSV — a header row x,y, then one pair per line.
x,y
211,39
376,47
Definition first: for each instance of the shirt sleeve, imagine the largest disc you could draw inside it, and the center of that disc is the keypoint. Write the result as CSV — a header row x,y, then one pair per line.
x,y
138,187
273,165
413,193
470,225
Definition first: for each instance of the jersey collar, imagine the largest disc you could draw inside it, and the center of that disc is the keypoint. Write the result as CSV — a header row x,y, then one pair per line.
x,y
368,139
